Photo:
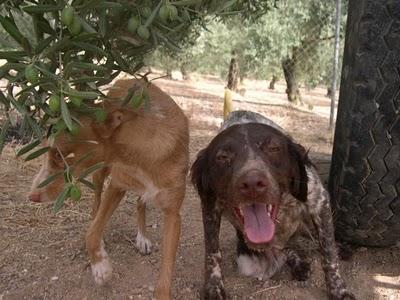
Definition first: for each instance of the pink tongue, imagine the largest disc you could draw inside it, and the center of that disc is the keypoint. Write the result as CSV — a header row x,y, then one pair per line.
x,y
258,226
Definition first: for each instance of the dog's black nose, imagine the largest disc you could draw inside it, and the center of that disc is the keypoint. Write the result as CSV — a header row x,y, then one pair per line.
x,y
252,184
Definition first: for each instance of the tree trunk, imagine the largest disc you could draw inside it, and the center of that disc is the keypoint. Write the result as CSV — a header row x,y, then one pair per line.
x,y
289,66
233,75
272,82
185,73
169,73
168,65
241,78
328,92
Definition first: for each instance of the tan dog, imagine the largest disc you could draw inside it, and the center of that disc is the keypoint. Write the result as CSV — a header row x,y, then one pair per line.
x,y
145,150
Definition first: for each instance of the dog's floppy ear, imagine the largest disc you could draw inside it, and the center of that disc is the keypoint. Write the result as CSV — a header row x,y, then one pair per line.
x,y
112,122
199,175
299,178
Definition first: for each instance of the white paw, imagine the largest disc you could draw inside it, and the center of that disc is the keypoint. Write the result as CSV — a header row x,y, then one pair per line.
x,y
102,271
251,266
143,244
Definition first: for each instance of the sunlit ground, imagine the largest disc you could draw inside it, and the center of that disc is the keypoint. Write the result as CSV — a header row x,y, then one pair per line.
x,y
387,286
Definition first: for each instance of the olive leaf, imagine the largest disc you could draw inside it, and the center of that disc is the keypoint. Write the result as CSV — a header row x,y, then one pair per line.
x,y
27,148
49,179
37,153
61,198
91,169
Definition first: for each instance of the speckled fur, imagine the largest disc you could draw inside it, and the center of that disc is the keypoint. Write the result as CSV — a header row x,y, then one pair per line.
x,y
318,206
242,117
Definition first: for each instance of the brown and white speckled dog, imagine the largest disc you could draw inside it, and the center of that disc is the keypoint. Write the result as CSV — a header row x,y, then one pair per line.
x,y
253,173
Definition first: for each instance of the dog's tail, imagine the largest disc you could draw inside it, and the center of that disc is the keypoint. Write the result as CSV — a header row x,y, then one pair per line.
x,y
227,102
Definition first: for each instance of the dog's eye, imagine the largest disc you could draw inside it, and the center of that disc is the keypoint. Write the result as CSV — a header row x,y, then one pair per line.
x,y
224,157
56,155
269,147
55,158
273,149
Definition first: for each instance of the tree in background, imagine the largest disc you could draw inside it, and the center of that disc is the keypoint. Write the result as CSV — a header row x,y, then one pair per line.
x,y
297,40
168,61
233,73
301,58
272,82
290,71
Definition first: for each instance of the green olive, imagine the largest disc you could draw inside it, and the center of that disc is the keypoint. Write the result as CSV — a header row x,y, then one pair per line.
x,y
67,15
54,103
143,32
133,24
76,26
145,11
76,101
136,101
75,192
100,115
173,12
60,126
163,13
31,74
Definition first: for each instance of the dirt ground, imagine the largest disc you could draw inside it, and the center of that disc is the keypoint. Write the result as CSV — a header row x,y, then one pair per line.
x,y
42,254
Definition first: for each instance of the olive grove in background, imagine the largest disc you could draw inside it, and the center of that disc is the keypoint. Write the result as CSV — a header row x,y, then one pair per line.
x,y
295,35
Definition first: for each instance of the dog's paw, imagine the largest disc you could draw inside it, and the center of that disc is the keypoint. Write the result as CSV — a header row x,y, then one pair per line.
x,y
251,265
143,244
343,295
345,251
162,294
102,271
301,271
214,291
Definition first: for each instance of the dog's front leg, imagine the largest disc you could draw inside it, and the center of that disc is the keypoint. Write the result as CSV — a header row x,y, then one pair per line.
x,y
213,286
143,243
170,200
101,266
318,205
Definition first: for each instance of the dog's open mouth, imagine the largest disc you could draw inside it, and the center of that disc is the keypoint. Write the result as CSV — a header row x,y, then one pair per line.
x,y
258,221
